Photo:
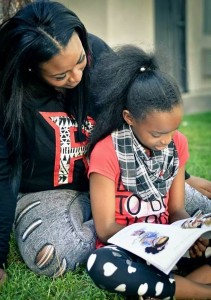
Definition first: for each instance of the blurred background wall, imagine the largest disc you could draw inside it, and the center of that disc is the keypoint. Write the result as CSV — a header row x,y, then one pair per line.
x,y
180,30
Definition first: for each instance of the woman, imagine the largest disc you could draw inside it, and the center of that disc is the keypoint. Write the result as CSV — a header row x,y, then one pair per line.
x,y
45,123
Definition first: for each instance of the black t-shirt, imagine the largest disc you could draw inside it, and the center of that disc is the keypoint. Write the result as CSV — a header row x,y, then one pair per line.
x,y
56,159
187,175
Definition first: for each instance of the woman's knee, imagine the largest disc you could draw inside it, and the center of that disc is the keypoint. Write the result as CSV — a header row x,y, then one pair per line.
x,y
49,240
54,260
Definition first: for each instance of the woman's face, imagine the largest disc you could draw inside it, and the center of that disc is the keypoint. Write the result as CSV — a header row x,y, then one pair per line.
x,y
156,131
65,70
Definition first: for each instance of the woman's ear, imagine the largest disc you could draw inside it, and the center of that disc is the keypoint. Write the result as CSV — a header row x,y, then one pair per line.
x,y
127,117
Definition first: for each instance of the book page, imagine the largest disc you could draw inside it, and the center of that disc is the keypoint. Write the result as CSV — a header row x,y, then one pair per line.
x,y
199,220
159,244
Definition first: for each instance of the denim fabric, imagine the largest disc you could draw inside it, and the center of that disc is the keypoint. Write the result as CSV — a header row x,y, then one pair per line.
x,y
194,200
54,230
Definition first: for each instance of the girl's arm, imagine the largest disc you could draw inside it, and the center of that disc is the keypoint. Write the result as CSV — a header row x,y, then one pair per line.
x,y
102,194
176,203
177,210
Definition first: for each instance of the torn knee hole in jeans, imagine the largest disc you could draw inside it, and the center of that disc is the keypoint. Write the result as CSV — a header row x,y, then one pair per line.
x,y
45,256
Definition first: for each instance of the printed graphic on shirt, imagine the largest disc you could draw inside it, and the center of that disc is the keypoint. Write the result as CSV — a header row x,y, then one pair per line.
x,y
68,149
130,208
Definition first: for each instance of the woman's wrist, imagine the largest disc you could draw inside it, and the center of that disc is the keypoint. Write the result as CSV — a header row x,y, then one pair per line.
x,y
2,266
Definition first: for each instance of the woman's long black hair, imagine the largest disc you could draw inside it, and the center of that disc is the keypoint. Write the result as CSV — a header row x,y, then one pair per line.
x,y
129,78
34,35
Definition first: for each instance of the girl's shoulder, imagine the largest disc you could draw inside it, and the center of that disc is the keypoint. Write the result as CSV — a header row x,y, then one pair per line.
x,y
181,144
103,159
105,144
179,138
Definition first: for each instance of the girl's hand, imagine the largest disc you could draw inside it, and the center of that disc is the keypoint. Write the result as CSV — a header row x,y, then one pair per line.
x,y
198,248
3,276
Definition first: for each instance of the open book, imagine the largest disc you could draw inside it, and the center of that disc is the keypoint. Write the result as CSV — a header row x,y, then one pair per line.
x,y
163,245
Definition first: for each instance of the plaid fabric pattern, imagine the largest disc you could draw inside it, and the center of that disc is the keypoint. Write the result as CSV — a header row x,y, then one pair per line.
x,y
148,177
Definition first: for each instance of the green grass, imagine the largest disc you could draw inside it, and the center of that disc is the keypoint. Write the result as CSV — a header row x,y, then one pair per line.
x,y
24,285
197,128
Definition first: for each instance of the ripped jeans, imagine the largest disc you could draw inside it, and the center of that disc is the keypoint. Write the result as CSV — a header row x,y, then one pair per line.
x,y
194,200
54,230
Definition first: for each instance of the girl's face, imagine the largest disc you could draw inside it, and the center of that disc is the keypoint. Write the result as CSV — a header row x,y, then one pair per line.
x,y
156,131
65,70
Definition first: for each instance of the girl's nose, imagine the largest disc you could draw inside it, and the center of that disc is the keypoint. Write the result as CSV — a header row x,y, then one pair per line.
x,y
166,139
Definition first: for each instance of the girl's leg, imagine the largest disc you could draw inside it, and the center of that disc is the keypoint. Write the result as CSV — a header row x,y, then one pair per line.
x,y
201,275
117,270
196,278
186,288
194,200
54,230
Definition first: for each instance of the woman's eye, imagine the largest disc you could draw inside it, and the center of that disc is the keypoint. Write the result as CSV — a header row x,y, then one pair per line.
x,y
82,59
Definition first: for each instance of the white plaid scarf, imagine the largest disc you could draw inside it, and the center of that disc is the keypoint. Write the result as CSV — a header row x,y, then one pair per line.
x,y
148,177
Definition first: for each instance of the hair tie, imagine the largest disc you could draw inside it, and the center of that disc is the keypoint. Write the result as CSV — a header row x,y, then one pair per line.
x,y
143,69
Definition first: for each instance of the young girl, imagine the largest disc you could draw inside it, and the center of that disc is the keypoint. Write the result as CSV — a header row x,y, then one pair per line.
x,y
136,172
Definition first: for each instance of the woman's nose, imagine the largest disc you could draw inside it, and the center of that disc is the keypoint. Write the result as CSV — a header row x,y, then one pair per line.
x,y
75,76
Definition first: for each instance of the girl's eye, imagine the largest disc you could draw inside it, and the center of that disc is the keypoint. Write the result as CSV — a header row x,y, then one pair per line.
x,y
60,77
156,135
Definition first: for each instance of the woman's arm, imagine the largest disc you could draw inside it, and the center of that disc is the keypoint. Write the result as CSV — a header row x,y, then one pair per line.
x,y
7,206
3,276
102,194
200,184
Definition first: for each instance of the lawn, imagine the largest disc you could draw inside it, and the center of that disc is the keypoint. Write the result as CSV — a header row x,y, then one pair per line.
x,y
24,285
197,129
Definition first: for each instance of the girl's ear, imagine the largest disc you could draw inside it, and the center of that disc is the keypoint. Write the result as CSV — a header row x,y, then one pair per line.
x,y
127,117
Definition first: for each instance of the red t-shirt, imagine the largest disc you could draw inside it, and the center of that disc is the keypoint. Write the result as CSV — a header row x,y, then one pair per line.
x,y
129,207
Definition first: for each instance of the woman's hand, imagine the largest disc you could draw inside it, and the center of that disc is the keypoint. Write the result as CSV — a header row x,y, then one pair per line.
x,y
198,248
3,276
200,184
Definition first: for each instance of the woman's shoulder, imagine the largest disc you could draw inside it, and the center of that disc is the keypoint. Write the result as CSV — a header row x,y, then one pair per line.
x,y
95,41
97,46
